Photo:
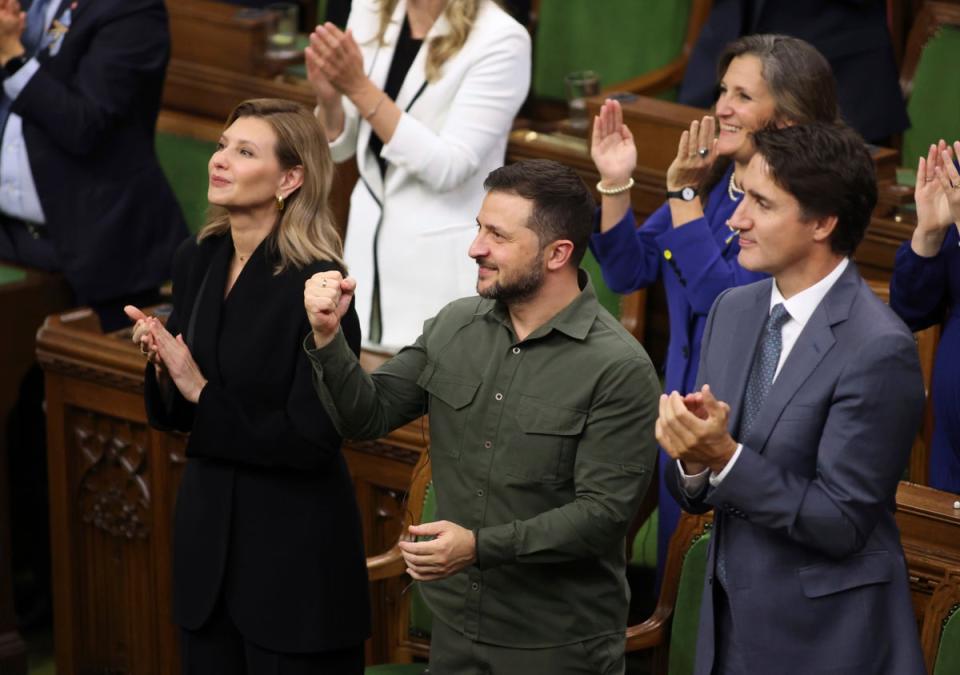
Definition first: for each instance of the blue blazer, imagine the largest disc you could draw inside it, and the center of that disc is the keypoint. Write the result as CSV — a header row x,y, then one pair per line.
x,y
89,115
924,292
815,569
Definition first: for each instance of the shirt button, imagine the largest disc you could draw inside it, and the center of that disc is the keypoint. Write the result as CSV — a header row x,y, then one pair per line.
x,y
480,492
686,352
668,254
487,444
499,396
475,586
516,350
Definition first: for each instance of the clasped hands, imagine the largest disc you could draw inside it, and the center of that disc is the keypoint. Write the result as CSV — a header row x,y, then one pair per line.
x,y
334,63
451,549
937,196
693,429
170,355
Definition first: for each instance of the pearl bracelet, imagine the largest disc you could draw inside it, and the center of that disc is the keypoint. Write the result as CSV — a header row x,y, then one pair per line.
x,y
614,190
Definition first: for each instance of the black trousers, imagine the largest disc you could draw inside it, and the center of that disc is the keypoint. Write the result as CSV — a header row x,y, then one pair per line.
x,y
218,648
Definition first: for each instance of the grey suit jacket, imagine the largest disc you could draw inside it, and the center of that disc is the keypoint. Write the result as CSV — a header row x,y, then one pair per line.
x,y
816,577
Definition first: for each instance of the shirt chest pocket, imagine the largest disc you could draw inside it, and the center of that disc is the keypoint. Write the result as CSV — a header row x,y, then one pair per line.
x,y
546,447
449,408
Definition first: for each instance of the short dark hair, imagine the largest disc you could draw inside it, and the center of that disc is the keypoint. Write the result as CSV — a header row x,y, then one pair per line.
x,y
829,171
563,207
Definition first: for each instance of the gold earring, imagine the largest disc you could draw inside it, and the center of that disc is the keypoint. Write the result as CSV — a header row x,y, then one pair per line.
x,y
279,202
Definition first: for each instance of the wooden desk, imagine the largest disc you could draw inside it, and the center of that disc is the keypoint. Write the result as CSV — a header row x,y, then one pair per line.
x,y
113,482
26,296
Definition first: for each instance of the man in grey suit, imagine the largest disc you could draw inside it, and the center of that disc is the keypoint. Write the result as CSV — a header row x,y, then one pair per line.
x,y
810,396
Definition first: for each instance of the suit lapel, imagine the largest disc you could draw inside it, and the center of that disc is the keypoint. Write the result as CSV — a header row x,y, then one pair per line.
x,y
813,344
748,324
210,309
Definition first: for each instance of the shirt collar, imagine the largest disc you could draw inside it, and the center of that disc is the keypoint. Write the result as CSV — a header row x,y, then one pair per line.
x,y
802,305
574,320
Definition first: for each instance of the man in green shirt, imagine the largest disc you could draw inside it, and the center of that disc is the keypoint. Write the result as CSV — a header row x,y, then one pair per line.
x,y
542,410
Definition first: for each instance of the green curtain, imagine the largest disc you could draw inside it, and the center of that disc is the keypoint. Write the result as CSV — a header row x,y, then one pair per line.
x,y
618,39
934,105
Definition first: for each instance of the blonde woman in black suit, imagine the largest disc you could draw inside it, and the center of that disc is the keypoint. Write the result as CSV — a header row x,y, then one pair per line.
x,y
269,569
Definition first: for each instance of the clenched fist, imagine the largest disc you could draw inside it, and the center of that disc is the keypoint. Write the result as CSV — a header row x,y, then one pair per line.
x,y
327,297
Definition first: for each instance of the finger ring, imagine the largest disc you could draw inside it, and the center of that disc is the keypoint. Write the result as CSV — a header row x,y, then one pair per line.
x,y
703,152
323,283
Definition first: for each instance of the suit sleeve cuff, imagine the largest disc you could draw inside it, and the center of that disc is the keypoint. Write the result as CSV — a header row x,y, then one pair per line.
x,y
717,478
692,485
13,85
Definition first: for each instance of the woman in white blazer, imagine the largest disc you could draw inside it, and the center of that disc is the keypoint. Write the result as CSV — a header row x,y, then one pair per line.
x,y
427,125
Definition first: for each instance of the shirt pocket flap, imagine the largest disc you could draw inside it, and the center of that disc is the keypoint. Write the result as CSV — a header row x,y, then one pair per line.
x,y
536,416
456,392
875,567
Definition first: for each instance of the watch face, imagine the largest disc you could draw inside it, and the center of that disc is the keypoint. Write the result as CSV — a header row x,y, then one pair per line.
x,y
688,193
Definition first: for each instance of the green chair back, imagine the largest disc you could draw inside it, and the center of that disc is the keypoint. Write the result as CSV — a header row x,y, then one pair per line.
x,y
686,611
934,105
396,669
948,655
9,275
644,549
626,38
184,161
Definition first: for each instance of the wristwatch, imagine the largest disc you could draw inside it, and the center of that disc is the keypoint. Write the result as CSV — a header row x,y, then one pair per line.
x,y
687,194
14,64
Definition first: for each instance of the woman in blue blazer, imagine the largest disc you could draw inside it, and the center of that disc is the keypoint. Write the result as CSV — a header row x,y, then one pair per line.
x,y
925,290
763,80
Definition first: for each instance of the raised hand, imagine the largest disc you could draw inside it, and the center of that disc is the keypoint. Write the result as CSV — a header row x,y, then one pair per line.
x,y
612,148
949,179
691,164
326,298
931,195
327,95
337,58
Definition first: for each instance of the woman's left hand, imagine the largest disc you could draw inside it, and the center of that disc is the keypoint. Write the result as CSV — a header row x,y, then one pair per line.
x,y
179,363
691,164
338,58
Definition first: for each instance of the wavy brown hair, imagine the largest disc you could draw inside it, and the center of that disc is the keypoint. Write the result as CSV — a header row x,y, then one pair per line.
x,y
305,232
459,13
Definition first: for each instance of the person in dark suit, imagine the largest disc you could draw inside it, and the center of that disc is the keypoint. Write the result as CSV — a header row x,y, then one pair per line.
x,y
81,190
852,34
811,395
269,569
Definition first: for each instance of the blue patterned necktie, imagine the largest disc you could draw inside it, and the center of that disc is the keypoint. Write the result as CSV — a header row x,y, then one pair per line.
x,y
764,367
31,39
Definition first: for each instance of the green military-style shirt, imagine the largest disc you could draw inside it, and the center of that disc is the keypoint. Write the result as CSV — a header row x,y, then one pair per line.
x,y
543,447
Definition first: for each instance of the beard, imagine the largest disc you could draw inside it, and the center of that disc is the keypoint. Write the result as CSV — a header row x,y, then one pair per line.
x,y
514,290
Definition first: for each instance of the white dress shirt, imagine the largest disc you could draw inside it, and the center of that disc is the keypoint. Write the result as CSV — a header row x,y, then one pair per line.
x,y
800,307
18,193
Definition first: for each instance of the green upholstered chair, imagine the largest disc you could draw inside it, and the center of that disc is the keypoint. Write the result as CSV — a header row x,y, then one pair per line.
x,y
412,620
184,162
634,45
671,631
940,633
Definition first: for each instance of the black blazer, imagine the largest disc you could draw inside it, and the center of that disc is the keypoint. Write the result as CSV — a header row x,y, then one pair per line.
x,y
266,512
89,115
851,34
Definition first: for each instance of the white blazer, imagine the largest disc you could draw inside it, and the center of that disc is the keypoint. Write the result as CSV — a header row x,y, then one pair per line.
x,y
414,226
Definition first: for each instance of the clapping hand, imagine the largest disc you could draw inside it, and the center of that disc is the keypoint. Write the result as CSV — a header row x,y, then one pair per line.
x,y
693,429
334,62
696,153
169,352
612,148
937,196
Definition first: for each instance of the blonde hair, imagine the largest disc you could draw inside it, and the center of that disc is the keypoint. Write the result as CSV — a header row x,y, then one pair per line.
x,y
460,14
305,232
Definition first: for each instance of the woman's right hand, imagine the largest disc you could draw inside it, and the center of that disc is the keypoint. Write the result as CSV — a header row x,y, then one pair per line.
x,y
327,94
143,337
612,149
932,197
